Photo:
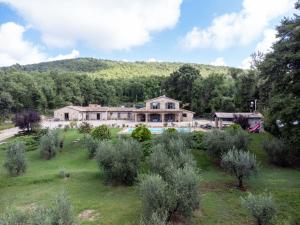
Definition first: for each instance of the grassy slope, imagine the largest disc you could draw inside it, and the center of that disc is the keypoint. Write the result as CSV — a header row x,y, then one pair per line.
x,y
120,205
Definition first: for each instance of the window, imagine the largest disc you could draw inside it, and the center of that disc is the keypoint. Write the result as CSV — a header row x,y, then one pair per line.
x,y
119,115
184,115
155,105
98,116
129,115
170,105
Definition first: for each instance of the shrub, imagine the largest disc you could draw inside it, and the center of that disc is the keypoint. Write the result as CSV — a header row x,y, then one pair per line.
x,y
64,174
49,144
15,161
159,162
66,128
141,133
85,128
61,212
91,144
184,185
240,139
73,124
14,217
120,162
242,121
262,207
239,163
101,132
166,199
197,140
155,199
234,126
170,130
277,150
27,119
41,216
155,219
218,142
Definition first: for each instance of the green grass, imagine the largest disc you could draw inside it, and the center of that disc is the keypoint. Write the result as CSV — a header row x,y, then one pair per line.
x,y
4,126
220,200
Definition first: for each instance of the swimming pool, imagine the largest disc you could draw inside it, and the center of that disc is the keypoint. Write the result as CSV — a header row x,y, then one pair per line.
x,y
157,130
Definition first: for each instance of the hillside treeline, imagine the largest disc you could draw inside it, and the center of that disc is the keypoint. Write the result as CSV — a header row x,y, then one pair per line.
x,y
49,90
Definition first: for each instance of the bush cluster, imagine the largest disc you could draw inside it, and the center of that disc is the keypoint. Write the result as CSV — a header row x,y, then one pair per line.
x,y
15,160
91,144
172,188
141,133
101,132
85,128
218,142
278,151
239,163
49,144
60,212
262,207
120,161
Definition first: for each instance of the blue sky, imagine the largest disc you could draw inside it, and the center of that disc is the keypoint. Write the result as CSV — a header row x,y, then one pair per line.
x,y
219,32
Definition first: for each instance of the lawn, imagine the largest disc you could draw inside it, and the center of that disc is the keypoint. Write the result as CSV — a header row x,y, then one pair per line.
x,y
220,200
4,126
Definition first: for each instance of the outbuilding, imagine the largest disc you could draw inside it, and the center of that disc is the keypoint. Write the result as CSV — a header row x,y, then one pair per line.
x,y
223,118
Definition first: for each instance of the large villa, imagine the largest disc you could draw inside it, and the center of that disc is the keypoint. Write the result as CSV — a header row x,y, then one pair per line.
x,y
160,109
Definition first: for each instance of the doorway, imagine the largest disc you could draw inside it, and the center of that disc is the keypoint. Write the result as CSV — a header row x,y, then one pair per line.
x,y
66,116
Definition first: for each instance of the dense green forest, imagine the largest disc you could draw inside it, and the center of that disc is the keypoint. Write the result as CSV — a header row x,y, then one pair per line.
x,y
82,81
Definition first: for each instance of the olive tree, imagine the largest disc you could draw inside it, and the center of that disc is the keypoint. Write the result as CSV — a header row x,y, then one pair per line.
x,y
219,142
91,144
239,163
119,161
49,144
15,161
262,207
167,198
154,194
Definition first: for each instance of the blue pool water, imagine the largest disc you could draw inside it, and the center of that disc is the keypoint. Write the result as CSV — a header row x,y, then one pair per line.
x,y
156,130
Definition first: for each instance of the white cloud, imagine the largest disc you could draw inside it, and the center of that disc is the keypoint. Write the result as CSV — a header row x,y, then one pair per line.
x,y
239,28
218,62
246,63
15,49
264,46
269,37
151,60
72,55
106,24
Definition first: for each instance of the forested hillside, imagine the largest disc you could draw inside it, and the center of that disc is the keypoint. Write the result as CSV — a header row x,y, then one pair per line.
x,y
109,69
81,81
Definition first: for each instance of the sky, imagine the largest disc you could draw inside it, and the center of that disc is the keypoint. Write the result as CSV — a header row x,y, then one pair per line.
x,y
216,32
